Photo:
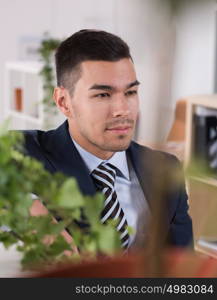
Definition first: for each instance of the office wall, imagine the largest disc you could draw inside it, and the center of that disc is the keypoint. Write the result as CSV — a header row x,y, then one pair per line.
x,y
194,65
146,25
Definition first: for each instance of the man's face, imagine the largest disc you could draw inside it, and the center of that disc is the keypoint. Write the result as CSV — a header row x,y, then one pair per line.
x,y
104,107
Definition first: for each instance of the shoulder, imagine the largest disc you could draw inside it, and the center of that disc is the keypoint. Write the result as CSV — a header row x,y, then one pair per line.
x,y
35,145
155,164
35,139
32,137
154,156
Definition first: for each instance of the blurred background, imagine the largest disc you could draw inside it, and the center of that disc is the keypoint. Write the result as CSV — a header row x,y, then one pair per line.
x,y
172,43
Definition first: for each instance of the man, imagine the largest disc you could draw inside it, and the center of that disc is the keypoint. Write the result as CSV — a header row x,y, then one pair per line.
x,y
97,91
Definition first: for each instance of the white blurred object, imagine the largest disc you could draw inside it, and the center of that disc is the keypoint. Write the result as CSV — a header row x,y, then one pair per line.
x,y
34,196
5,228
204,111
9,262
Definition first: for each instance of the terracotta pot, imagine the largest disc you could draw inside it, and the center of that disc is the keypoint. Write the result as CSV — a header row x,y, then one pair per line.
x,y
170,264
122,266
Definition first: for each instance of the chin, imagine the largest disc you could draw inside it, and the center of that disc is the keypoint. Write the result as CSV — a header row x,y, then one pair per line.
x,y
119,147
120,143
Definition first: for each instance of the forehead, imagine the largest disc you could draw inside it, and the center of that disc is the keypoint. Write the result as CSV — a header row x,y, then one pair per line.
x,y
116,73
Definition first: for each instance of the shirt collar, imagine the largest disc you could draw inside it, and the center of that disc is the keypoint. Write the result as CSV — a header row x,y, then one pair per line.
x,y
119,160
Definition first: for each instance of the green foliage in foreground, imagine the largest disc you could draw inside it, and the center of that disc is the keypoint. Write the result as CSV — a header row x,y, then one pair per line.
x,y
19,177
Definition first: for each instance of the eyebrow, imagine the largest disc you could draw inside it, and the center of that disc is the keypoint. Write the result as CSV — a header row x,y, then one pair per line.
x,y
111,88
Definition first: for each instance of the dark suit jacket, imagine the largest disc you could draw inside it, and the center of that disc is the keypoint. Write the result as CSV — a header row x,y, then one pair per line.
x,y
155,171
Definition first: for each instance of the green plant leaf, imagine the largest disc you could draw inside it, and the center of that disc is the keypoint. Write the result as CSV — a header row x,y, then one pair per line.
x,y
95,210
69,195
109,240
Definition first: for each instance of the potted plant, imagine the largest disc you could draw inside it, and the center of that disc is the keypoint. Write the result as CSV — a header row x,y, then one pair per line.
x,y
39,237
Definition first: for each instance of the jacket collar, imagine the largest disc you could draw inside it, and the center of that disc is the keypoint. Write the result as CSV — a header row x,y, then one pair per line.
x,y
137,155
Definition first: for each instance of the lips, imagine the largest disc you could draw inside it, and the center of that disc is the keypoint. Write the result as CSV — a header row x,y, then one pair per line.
x,y
120,126
119,129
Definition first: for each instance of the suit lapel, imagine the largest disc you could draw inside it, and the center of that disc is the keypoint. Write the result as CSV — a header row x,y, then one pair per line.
x,y
142,169
65,158
152,171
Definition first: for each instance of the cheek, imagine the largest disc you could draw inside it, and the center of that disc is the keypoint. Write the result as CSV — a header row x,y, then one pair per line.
x,y
99,114
81,113
134,107
93,119
91,115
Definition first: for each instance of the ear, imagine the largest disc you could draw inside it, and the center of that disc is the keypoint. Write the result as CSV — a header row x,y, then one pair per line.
x,y
62,99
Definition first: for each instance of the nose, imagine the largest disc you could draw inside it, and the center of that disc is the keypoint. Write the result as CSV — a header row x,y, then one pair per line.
x,y
120,107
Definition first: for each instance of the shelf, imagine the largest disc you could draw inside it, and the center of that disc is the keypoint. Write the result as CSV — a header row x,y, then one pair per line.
x,y
24,94
209,101
23,99
202,189
33,67
193,104
208,180
24,117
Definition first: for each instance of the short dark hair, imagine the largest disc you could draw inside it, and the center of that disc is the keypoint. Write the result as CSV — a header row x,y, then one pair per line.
x,y
86,45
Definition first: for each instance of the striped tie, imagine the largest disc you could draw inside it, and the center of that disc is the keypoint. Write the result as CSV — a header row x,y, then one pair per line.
x,y
104,178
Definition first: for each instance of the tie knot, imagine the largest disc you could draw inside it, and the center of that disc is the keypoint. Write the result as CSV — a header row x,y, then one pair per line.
x,y
104,175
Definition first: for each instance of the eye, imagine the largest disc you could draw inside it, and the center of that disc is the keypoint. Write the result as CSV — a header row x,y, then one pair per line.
x,y
102,95
131,93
